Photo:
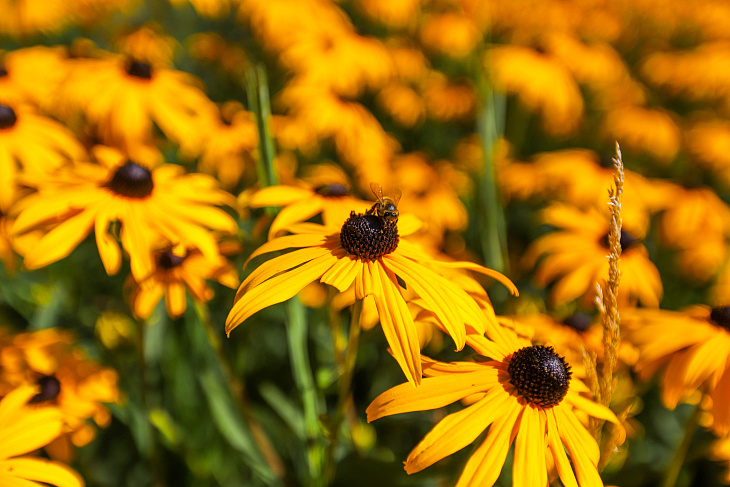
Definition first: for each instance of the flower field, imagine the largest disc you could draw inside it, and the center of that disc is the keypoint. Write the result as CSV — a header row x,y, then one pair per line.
x,y
316,243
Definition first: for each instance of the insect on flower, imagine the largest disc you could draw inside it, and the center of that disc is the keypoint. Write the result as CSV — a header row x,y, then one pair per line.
x,y
387,205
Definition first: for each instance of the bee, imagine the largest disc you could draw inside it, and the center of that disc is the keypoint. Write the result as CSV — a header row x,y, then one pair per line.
x,y
387,205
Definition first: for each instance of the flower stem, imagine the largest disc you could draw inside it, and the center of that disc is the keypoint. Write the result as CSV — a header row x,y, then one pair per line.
x,y
297,334
675,466
345,384
259,102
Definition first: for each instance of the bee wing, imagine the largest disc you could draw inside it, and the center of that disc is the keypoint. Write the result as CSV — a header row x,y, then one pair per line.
x,y
396,194
377,190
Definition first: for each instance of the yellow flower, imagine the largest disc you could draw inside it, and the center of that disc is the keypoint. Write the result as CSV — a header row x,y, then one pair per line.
x,y
402,103
226,144
299,204
155,208
697,222
147,44
451,34
27,17
519,401
541,83
24,430
580,177
367,253
709,144
693,347
446,100
394,13
173,275
123,97
575,256
640,129
39,144
33,75
67,379
209,8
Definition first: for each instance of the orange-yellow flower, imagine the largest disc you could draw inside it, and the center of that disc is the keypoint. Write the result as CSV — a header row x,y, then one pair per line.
x,y
693,348
367,253
156,209
526,395
576,258
25,429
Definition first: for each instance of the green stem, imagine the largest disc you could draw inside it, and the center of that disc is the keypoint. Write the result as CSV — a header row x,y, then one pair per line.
x,y
490,124
345,384
675,466
297,334
257,89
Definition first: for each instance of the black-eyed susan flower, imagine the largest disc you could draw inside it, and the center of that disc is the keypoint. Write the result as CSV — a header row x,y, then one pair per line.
x,y
156,208
36,143
693,348
66,378
541,83
526,396
450,33
147,44
640,129
580,177
122,97
575,257
33,75
175,273
696,221
24,430
366,252
226,145
394,13
300,203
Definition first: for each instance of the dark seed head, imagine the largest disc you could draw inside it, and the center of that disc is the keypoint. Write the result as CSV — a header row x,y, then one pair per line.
x,y
50,389
139,70
167,260
721,316
578,321
627,240
540,375
3,71
7,117
332,190
132,180
369,237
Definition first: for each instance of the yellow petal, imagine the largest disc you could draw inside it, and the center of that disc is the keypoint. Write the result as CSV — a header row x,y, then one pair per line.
x,y
485,464
431,288
581,446
288,242
30,431
294,213
343,273
59,242
562,464
111,255
175,299
528,468
41,470
278,196
433,393
721,404
456,430
279,264
396,321
277,289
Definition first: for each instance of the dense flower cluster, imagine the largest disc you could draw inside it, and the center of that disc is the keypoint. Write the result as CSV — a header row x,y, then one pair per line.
x,y
157,156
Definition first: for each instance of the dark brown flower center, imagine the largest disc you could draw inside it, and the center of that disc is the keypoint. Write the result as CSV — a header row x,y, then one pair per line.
x,y
168,260
132,180
50,389
369,237
540,375
627,240
7,117
139,70
578,321
3,71
720,316
332,190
